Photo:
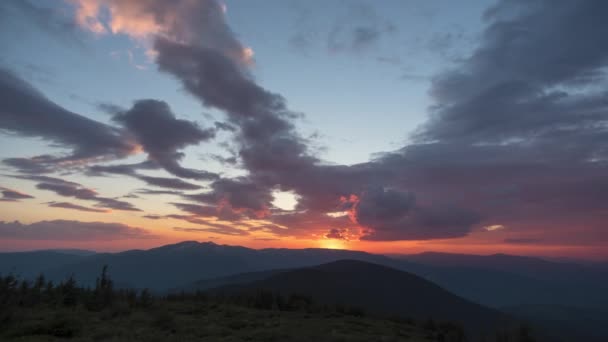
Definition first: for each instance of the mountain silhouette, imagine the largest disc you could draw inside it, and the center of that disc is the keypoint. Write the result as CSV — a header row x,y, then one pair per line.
x,y
183,263
496,281
378,289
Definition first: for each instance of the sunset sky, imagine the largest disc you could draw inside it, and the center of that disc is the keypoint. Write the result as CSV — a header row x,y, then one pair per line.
x,y
387,126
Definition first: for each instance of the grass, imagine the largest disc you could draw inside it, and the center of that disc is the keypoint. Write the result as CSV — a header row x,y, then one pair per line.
x,y
196,321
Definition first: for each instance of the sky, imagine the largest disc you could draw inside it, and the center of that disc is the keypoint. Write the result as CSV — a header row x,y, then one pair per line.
x,y
385,126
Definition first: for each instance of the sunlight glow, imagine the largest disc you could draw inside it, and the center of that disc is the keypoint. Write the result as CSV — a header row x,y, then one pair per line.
x,y
333,244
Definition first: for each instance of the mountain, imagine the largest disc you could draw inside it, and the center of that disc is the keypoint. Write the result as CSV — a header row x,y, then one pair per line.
x,y
31,264
174,265
518,280
74,251
378,289
522,265
240,278
523,280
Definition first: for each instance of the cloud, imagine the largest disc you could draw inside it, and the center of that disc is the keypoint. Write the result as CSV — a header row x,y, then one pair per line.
x,y
34,165
68,190
27,112
157,192
523,241
214,227
194,22
527,97
64,230
221,212
494,227
10,195
390,214
131,170
67,205
72,189
171,183
516,133
224,126
275,155
241,196
338,234
162,135
112,203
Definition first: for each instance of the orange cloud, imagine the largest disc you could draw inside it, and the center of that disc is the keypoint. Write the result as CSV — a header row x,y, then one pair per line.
x,y
193,22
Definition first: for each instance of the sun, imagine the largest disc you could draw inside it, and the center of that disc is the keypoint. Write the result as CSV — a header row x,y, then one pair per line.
x,y
332,244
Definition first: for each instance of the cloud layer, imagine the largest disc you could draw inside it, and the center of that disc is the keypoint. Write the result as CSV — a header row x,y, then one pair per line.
x,y
64,230
516,136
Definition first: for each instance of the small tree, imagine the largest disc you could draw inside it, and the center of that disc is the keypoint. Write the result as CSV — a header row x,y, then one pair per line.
x,y
69,292
104,288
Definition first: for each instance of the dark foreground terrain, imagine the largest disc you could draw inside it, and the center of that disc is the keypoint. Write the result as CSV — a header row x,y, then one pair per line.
x,y
192,321
44,311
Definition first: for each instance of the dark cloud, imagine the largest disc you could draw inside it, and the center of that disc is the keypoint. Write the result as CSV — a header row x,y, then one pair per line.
x,y
171,183
501,93
240,194
215,228
338,234
162,135
222,212
67,205
10,195
518,129
390,214
64,230
110,108
27,112
131,170
157,192
68,190
112,203
34,165
233,228
224,126
75,190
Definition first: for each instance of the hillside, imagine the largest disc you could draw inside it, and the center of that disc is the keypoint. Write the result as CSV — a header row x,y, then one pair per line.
x,y
43,311
31,264
182,321
378,289
522,280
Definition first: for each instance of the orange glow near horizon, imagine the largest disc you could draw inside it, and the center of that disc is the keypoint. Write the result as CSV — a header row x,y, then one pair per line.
x,y
475,243
332,244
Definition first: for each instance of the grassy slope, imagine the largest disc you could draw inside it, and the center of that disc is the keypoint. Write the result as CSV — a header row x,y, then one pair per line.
x,y
185,321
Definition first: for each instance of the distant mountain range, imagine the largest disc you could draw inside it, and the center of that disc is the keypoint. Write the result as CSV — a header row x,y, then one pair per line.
x,y
519,280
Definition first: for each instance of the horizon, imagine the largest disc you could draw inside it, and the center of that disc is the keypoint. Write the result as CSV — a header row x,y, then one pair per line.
x,y
390,127
390,255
